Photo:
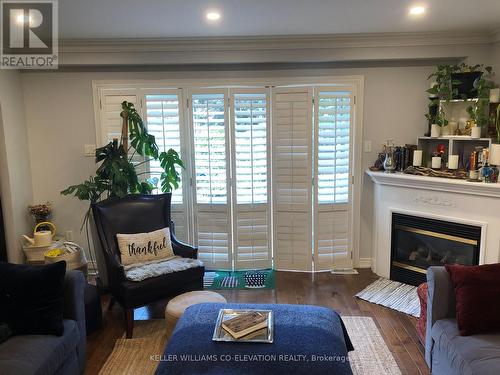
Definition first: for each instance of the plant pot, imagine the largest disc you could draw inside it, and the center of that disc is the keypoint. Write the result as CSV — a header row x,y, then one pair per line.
x,y
476,132
465,88
435,131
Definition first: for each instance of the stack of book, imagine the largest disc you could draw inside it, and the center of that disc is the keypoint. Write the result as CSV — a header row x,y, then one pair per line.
x,y
245,324
404,156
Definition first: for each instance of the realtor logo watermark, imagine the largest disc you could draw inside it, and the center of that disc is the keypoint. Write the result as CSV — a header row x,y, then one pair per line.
x,y
29,34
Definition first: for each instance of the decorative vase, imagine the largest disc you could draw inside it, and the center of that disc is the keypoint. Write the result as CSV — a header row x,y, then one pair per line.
x,y
476,132
435,130
389,161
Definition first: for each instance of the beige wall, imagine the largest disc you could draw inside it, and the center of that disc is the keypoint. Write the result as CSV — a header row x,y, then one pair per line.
x,y
15,174
60,114
60,119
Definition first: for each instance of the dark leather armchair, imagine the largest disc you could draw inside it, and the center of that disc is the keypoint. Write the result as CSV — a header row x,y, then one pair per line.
x,y
138,214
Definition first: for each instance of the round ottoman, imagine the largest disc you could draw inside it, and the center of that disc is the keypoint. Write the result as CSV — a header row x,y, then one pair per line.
x,y
177,305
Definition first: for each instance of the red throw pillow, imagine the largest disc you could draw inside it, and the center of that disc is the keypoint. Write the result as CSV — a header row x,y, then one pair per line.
x,y
477,292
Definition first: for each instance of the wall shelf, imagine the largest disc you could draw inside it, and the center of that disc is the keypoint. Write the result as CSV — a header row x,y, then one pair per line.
x,y
454,145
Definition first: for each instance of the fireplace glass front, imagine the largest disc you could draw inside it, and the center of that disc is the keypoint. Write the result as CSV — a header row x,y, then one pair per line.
x,y
418,243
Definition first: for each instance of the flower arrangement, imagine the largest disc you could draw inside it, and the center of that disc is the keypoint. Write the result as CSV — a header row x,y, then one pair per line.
x,y
41,212
44,209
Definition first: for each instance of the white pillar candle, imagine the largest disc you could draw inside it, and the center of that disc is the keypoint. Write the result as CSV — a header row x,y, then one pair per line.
x,y
417,158
495,95
495,154
453,162
436,162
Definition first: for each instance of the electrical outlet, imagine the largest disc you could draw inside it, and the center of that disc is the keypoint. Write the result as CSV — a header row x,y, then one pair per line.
x,y
69,235
89,150
367,146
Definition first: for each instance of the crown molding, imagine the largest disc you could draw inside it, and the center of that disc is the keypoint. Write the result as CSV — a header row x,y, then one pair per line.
x,y
292,42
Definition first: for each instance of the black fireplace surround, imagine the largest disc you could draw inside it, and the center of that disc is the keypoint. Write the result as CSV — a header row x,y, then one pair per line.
x,y
418,243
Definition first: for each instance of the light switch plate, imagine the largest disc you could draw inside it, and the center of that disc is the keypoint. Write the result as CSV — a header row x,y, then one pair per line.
x,y
367,146
89,150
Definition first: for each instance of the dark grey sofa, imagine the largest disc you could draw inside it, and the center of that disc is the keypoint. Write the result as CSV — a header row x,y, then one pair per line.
x,y
46,354
446,352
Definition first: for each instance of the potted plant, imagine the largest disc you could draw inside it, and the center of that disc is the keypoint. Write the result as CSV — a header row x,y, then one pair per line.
x,y
478,110
116,175
458,81
462,82
437,121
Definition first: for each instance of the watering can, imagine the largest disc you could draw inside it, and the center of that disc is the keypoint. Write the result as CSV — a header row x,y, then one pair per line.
x,y
43,237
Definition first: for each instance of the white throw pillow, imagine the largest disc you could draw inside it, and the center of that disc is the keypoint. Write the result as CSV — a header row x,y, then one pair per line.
x,y
140,248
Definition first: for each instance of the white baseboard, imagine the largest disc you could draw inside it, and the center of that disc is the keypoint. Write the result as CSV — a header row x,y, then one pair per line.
x,y
365,262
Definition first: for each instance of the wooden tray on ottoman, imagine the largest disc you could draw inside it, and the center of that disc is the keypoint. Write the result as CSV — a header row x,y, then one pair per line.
x,y
265,335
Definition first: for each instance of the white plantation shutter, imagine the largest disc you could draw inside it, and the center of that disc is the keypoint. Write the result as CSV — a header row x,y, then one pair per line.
x,y
250,123
163,118
212,208
110,124
292,176
110,109
333,109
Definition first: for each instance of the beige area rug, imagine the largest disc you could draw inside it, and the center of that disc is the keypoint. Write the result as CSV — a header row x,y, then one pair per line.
x,y
371,354
131,357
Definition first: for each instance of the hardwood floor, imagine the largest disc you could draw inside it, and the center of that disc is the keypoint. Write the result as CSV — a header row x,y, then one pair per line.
x,y
323,289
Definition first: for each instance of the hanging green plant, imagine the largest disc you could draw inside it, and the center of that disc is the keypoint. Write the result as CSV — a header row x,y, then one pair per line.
x,y
117,175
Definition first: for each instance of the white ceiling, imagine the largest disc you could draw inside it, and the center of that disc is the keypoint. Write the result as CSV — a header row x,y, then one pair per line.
x,y
185,18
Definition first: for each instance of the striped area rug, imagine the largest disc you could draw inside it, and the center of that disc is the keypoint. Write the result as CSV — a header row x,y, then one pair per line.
x,y
229,282
394,295
208,279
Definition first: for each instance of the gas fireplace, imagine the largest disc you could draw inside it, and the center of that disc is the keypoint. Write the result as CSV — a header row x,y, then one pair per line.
x,y
418,243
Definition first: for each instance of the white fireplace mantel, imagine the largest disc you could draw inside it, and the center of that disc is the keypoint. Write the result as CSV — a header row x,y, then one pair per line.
x,y
458,201
435,183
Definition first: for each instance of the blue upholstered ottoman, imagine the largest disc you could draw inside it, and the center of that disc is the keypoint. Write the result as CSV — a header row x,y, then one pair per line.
x,y
307,340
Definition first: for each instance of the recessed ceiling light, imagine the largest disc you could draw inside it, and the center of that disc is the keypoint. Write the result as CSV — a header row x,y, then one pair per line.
x,y
213,15
415,11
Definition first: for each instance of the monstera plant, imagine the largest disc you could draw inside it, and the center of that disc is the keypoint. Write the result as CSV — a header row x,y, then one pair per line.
x,y
117,175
